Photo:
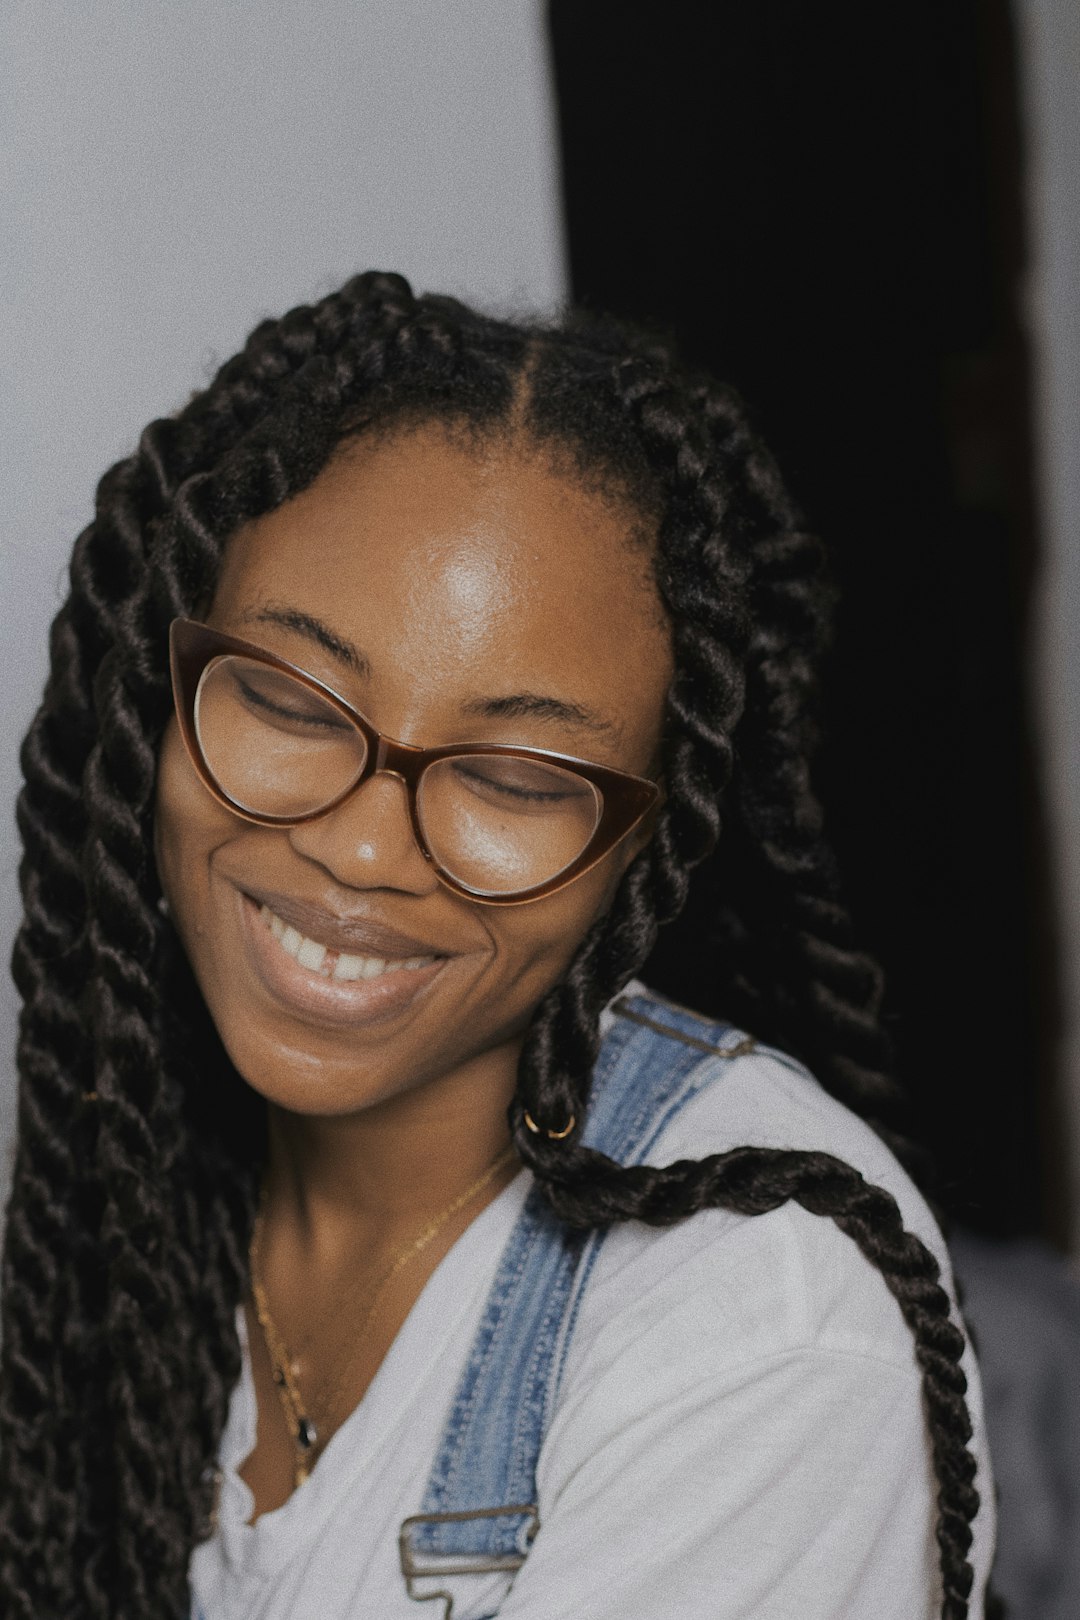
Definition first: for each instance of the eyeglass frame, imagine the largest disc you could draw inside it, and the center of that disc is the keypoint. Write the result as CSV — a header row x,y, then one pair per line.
x,y
625,799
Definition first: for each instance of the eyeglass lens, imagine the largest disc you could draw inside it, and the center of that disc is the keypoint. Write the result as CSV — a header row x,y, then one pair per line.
x,y
495,823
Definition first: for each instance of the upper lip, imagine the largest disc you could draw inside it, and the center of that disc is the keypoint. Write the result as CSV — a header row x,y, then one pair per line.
x,y
360,936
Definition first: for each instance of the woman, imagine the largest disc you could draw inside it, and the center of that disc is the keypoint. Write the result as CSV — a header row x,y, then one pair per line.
x,y
342,1265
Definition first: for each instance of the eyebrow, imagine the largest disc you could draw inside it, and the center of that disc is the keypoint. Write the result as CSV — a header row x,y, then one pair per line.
x,y
515,706
534,706
313,629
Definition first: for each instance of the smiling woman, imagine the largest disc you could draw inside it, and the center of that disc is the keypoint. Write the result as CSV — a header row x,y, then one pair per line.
x,y
439,587
350,1143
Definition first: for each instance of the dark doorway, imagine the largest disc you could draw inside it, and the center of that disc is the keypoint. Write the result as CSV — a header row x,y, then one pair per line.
x,y
823,204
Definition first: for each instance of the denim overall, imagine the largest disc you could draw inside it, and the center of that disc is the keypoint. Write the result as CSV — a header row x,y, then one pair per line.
x,y
479,1513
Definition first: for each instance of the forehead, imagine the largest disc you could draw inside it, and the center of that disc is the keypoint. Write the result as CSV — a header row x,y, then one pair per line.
x,y
454,567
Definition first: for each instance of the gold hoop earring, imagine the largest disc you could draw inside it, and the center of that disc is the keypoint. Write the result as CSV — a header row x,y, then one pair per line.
x,y
554,1136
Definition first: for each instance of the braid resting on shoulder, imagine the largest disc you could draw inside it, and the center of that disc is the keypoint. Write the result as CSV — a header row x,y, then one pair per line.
x,y
136,1179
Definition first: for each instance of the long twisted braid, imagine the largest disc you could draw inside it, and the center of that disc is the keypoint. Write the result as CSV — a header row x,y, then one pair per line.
x,y
48,1271
748,616
125,1251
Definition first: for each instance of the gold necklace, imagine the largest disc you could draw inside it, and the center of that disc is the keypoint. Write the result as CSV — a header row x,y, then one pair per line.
x,y
304,1433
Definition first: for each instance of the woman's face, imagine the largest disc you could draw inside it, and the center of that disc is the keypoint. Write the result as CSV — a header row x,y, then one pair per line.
x,y
428,584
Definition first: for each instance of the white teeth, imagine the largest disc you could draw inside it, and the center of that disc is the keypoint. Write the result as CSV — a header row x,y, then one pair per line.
x,y
350,967
311,954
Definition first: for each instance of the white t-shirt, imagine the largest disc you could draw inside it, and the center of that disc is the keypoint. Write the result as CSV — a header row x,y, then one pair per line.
x,y
739,1434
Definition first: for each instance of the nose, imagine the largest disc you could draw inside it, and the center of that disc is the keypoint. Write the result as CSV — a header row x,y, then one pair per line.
x,y
367,842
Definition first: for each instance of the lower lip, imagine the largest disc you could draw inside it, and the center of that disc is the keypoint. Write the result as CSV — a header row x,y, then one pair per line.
x,y
330,1001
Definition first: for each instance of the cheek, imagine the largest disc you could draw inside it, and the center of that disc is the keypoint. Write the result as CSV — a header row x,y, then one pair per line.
x,y
537,942
188,824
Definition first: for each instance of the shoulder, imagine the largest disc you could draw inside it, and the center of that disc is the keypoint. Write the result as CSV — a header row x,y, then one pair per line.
x,y
745,1287
720,1294
742,1368
745,1093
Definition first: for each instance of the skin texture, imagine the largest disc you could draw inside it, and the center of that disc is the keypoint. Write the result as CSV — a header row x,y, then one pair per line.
x,y
458,574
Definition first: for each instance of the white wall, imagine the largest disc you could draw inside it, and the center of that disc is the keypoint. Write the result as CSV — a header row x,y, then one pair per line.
x,y
1049,36
172,172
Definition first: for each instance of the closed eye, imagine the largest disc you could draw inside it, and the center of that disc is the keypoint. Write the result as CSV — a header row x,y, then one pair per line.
x,y
279,700
519,782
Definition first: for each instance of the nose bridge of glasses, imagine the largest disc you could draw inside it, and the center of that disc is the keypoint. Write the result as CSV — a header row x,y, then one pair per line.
x,y
367,816
399,759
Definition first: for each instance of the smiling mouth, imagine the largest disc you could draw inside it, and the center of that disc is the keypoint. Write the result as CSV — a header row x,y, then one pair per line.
x,y
331,963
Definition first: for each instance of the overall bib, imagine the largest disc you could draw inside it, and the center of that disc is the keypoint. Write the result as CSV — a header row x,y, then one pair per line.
x,y
473,1529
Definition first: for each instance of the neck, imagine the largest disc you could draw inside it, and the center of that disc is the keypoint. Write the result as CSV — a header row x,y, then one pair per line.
x,y
394,1163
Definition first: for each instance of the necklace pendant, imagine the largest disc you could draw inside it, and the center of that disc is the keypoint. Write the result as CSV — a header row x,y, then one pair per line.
x,y
306,1433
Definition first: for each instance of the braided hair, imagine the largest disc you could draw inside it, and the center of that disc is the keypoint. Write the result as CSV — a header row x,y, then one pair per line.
x,y
139,1149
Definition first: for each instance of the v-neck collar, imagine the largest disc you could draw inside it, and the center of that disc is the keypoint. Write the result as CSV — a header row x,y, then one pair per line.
x,y
457,1287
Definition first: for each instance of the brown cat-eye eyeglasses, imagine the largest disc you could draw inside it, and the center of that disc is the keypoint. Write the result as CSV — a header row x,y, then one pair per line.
x,y
499,824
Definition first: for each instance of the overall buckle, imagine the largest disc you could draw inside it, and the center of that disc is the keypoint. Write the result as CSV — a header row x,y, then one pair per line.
x,y
427,1562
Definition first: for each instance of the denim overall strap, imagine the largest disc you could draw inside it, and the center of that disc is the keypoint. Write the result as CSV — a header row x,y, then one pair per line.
x,y
479,1514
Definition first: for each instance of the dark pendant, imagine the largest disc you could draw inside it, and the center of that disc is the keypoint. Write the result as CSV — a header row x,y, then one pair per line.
x,y
306,1434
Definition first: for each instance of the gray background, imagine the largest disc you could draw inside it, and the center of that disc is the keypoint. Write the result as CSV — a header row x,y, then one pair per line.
x,y
172,172
1049,35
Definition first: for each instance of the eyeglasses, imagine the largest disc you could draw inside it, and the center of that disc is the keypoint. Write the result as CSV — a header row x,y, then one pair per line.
x,y
499,824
